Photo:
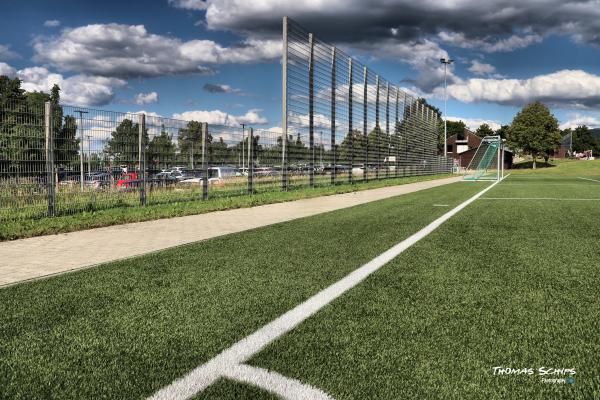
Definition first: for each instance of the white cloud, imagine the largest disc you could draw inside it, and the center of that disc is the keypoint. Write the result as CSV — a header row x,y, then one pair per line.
x,y
320,121
52,23
146,98
507,44
479,68
566,88
126,51
218,117
577,119
82,90
275,129
189,4
474,123
6,53
7,70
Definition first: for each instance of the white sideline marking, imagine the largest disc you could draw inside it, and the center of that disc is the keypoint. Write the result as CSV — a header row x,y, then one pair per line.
x,y
536,198
440,205
589,179
287,388
206,374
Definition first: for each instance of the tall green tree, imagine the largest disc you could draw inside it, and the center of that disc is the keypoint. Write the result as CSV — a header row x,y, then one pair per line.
x,y
123,146
22,135
219,152
583,140
484,130
503,131
190,144
66,143
161,151
534,131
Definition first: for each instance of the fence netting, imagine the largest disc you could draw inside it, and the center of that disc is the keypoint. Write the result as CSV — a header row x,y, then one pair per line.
x,y
343,123
346,123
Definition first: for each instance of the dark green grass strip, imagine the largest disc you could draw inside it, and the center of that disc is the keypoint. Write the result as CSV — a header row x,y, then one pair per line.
x,y
126,329
504,284
21,228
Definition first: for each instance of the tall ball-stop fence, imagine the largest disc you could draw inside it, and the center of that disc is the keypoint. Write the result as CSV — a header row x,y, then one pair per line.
x,y
341,123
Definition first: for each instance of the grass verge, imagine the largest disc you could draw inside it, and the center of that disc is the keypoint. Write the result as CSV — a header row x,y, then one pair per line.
x,y
17,229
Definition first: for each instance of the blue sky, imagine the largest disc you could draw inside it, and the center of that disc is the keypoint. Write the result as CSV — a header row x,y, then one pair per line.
x,y
162,56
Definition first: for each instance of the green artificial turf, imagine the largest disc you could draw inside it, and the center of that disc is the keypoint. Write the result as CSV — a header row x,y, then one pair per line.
x,y
126,329
17,228
509,283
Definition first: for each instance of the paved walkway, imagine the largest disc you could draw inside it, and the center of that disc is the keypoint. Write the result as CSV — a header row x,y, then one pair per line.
x,y
41,256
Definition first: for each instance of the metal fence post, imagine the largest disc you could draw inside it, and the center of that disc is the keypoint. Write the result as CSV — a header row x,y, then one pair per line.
x,y
397,133
311,111
49,131
387,129
142,159
204,128
365,125
284,119
377,128
251,161
350,114
333,100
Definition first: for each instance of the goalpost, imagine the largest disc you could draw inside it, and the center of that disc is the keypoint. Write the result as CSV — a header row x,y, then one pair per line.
x,y
487,162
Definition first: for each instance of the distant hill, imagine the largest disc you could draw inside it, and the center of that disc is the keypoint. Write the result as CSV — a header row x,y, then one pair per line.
x,y
596,133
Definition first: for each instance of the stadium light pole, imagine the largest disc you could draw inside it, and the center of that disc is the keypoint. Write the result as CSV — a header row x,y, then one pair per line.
x,y
446,62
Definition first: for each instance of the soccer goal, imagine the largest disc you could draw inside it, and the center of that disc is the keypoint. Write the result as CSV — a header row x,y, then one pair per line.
x,y
486,164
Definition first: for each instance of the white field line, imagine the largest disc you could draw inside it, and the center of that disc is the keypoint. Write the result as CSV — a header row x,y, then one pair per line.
x,y
538,198
286,388
590,179
220,366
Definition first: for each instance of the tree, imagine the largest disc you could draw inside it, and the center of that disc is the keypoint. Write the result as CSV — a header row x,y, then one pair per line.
x,y
455,128
534,131
190,143
219,152
503,131
484,130
123,146
66,143
161,151
22,136
352,145
439,125
583,139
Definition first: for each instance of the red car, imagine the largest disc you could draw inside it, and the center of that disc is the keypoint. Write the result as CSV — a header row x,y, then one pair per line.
x,y
128,181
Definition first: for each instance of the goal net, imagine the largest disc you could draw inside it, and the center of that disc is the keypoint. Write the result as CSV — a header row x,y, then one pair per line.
x,y
486,163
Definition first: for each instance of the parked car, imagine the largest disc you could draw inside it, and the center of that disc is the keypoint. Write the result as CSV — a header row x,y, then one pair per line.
x,y
162,179
68,178
128,181
216,175
264,171
97,180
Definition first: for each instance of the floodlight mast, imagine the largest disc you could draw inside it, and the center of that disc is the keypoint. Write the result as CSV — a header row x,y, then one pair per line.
x,y
446,62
